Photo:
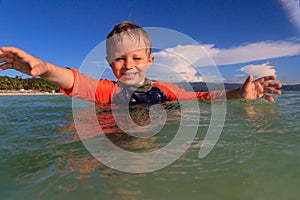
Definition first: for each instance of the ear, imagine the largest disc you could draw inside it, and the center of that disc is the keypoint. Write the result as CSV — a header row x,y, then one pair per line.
x,y
150,60
108,60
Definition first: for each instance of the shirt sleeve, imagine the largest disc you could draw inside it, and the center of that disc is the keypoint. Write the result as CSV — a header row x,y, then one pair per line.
x,y
173,92
90,89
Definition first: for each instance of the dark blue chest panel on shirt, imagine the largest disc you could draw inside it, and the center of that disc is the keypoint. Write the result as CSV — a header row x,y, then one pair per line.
x,y
152,95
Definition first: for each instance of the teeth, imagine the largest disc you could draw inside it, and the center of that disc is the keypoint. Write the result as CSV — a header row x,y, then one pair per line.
x,y
130,74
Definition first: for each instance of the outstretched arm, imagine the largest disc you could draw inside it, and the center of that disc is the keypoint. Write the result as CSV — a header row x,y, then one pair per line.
x,y
260,88
14,58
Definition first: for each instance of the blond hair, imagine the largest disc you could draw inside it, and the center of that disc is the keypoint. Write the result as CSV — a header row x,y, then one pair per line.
x,y
133,31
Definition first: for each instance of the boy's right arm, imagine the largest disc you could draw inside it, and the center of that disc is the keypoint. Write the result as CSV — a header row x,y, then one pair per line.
x,y
14,58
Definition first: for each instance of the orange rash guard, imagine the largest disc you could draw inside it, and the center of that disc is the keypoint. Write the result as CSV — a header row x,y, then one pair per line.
x,y
104,91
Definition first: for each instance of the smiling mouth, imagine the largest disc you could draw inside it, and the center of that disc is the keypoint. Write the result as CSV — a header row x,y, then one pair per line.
x,y
129,74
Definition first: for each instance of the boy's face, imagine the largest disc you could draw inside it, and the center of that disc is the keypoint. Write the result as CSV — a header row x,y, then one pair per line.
x,y
130,67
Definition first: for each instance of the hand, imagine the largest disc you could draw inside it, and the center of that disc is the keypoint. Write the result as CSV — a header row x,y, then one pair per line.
x,y
14,58
260,88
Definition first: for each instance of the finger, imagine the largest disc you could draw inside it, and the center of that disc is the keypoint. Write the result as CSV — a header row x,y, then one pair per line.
x,y
13,59
260,88
35,71
1,51
272,91
266,78
11,50
38,70
5,66
17,53
6,60
268,98
273,84
248,81
8,55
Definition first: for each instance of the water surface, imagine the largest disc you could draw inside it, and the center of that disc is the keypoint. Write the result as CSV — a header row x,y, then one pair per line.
x,y
256,157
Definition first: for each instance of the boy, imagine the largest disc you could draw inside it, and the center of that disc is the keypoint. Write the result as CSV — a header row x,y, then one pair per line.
x,y
128,48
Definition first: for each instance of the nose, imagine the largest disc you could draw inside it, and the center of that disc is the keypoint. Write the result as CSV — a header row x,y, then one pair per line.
x,y
129,64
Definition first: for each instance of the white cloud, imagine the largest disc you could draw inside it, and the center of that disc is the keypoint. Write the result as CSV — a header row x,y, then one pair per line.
x,y
292,7
176,64
266,69
256,51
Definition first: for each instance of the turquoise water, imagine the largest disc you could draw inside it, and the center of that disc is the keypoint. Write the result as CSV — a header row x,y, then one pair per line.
x,y
256,157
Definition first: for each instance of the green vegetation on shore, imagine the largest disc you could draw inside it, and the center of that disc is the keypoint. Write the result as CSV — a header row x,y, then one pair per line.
x,y
17,83
42,85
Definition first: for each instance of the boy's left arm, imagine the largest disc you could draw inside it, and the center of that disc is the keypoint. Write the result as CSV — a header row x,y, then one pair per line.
x,y
260,88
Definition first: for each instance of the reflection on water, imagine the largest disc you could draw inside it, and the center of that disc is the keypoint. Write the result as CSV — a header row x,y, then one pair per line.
x,y
262,118
139,114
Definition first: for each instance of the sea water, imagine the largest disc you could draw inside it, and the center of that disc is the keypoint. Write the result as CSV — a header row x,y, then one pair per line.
x,y
256,157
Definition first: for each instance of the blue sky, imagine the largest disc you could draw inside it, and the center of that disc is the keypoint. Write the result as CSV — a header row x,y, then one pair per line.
x,y
241,36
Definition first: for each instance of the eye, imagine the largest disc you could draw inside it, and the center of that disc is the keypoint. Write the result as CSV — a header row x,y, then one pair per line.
x,y
119,59
137,58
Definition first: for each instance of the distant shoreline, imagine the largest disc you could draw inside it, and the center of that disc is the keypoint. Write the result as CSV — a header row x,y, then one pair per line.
x,y
202,86
28,93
